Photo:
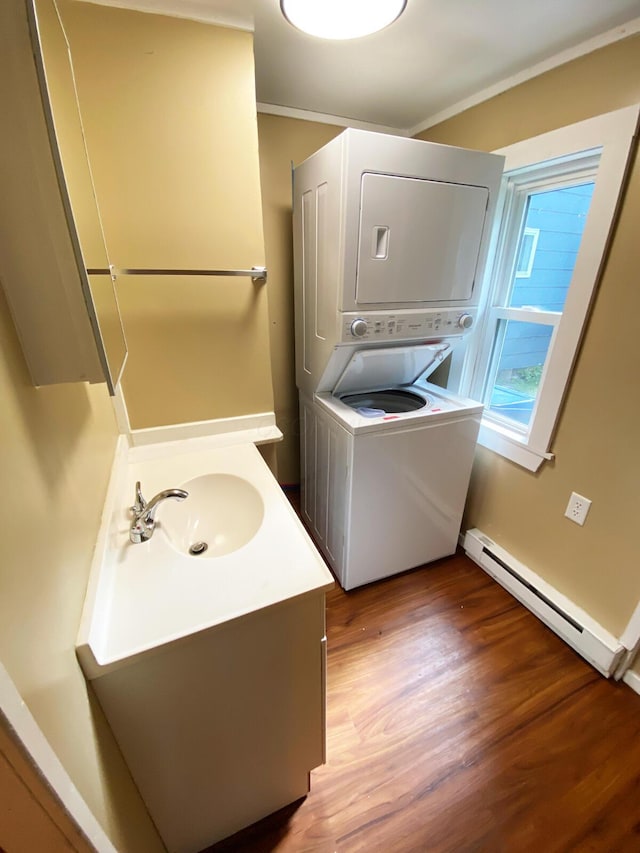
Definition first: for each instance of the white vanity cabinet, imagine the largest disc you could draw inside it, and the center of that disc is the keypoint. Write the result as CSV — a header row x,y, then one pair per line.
x,y
222,728
210,669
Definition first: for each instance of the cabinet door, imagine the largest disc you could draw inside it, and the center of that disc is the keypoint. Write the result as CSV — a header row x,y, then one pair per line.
x,y
41,257
419,240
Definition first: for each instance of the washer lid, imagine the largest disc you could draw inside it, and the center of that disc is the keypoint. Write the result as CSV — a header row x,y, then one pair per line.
x,y
381,368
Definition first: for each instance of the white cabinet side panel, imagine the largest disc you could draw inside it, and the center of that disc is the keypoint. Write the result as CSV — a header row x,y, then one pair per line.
x,y
309,270
324,309
307,461
337,493
223,728
322,478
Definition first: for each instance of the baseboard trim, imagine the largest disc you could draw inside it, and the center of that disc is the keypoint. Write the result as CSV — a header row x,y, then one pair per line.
x,y
632,679
565,618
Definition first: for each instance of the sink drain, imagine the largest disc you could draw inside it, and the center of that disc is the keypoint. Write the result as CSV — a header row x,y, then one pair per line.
x,y
198,548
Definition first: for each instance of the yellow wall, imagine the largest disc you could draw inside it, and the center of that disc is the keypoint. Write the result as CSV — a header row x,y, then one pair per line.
x,y
596,445
56,443
56,447
169,113
283,141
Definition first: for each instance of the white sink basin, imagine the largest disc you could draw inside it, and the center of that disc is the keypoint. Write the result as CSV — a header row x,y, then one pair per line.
x,y
146,596
222,514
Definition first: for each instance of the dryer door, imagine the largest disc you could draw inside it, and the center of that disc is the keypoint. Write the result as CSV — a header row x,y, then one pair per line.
x,y
419,240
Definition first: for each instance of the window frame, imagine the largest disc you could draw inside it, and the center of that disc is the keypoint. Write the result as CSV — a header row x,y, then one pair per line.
x,y
611,136
573,171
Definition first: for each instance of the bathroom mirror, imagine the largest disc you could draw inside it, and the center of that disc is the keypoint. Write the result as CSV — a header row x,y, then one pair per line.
x,y
68,320
58,80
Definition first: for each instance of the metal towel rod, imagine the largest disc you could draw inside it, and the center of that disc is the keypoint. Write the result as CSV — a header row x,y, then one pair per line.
x,y
258,275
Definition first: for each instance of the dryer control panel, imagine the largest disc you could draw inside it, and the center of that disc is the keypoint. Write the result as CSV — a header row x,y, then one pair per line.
x,y
405,325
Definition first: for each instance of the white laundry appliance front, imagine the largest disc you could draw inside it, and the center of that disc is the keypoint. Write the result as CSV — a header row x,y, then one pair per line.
x,y
390,240
386,463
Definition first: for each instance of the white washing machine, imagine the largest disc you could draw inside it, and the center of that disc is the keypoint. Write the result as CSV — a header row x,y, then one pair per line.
x,y
386,464
390,239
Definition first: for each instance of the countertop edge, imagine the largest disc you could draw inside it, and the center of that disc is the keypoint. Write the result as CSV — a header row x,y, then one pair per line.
x,y
88,642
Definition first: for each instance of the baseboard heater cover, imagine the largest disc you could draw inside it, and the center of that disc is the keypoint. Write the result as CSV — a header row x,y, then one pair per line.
x,y
596,645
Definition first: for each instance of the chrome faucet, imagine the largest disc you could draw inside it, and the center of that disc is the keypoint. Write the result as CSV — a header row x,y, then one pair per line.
x,y
144,513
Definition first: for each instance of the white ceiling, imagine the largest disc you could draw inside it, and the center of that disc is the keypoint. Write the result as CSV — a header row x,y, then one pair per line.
x,y
438,56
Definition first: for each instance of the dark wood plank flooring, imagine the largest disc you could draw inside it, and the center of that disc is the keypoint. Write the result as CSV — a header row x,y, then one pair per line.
x,y
458,722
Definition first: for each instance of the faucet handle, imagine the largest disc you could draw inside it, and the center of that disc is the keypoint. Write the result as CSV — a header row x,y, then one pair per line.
x,y
140,502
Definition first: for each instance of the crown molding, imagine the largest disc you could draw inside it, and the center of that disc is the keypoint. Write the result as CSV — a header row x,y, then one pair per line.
x,y
620,33
325,118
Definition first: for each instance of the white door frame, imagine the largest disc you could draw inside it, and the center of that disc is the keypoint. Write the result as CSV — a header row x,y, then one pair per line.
x,y
630,639
28,734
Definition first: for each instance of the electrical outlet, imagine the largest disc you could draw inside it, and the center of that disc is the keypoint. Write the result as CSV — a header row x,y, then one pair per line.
x,y
577,508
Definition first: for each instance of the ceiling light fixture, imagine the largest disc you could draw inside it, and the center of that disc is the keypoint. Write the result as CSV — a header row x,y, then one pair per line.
x,y
341,19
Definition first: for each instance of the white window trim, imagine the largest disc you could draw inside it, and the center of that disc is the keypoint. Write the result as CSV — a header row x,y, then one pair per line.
x,y
612,133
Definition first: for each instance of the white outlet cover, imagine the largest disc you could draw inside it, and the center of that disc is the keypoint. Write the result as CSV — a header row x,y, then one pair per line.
x,y
577,508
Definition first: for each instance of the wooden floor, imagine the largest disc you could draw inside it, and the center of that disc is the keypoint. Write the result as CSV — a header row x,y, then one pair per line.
x,y
458,722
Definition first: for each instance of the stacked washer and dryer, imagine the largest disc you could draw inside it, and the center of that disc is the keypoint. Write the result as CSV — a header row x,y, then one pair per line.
x,y
390,240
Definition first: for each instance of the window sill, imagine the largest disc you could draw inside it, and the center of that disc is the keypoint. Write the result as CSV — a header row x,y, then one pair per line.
x,y
511,446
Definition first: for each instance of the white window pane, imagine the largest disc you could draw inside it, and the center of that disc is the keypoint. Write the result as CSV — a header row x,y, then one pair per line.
x,y
519,356
545,264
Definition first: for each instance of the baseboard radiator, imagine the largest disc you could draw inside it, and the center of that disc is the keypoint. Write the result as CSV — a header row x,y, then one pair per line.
x,y
596,645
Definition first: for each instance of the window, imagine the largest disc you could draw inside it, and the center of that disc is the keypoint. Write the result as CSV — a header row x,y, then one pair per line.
x,y
526,313
559,196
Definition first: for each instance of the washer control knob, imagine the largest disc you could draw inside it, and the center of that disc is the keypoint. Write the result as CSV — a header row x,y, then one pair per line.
x,y
465,321
359,328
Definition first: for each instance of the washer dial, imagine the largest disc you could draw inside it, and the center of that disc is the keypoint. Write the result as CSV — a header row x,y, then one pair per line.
x,y
359,328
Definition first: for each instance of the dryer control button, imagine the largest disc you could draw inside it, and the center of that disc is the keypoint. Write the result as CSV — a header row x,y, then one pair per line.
x,y
359,328
465,321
